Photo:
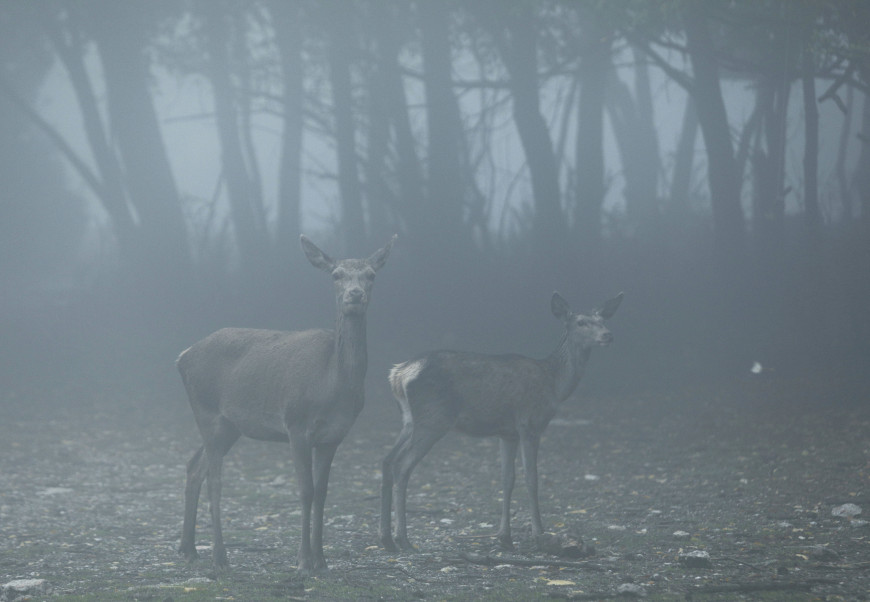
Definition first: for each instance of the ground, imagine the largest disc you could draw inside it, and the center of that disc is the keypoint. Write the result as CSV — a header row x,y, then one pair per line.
x,y
91,485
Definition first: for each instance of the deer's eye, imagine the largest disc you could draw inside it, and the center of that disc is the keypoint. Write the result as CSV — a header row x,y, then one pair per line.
x,y
338,274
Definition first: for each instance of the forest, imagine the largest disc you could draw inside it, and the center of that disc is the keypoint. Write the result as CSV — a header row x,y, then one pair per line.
x,y
160,160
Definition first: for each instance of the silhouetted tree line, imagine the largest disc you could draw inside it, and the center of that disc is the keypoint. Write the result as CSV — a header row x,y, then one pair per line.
x,y
413,102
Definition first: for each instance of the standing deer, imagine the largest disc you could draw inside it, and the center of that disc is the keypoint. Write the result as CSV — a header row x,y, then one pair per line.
x,y
507,396
305,388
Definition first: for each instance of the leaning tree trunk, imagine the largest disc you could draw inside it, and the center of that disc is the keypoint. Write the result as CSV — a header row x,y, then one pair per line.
x,y
70,48
150,183
724,184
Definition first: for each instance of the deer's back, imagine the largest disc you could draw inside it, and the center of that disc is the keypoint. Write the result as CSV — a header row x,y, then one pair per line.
x,y
491,394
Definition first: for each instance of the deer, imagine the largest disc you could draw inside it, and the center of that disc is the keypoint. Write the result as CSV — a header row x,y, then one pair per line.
x,y
511,397
304,388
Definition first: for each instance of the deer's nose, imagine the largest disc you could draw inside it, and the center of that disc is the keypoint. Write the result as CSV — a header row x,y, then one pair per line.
x,y
355,295
605,338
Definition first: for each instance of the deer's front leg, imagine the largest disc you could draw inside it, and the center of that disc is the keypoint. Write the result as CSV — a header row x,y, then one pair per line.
x,y
508,451
530,442
301,452
323,455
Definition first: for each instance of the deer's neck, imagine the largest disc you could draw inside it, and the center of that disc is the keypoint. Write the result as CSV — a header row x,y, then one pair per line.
x,y
350,349
567,364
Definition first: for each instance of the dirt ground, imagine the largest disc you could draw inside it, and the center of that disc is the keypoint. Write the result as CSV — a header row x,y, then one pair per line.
x,y
91,485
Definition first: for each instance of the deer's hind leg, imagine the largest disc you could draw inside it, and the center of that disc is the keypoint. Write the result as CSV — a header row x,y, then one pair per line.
x,y
196,468
217,443
508,452
387,479
432,416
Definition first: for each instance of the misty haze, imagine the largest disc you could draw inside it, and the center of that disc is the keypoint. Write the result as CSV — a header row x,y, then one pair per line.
x,y
483,182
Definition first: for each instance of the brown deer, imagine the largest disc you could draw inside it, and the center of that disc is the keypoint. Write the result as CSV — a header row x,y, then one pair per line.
x,y
507,396
305,388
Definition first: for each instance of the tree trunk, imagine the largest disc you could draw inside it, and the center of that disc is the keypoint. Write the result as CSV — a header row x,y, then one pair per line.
x,y
519,53
642,183
846,133
150,183
811,145
594,68
768,162
446,152
252,243
862,169
288,36
112,195
632,120
378,193
340,26
409,171
684,160
728,216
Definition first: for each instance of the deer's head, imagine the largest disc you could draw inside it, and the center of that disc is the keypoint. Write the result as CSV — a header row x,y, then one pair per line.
x,y
353,278
585,331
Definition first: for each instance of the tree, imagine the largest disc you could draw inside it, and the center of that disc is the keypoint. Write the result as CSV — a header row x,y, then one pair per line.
x,y
514,28
242,190
120,32
287,25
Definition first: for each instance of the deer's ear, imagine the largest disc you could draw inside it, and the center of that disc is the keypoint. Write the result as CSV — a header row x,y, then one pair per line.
x,y
318,258
559,306
379,257
609,307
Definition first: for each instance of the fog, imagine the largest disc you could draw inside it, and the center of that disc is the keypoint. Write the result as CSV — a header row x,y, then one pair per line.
x,y
161,161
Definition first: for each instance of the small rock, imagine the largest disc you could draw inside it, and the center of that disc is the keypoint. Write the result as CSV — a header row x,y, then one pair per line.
x,y
696,559
548,543
22,587
632,590
846,510
681,534
823,554
54,491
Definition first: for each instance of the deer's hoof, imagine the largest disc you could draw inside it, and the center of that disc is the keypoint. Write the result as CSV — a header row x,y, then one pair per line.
x,y
389,544
308,570
220,560
189,553
405,545
505,542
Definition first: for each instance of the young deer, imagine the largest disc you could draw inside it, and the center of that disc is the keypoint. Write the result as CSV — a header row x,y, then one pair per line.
x,y
305,388
507,396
